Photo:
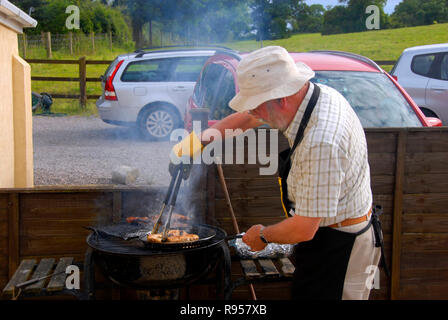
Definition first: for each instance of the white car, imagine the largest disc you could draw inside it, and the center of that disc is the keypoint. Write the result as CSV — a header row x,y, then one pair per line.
x,y
423,72
150,89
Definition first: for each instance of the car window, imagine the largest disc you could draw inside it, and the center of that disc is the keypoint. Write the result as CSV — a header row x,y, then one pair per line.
x,y
207,88
111,67
422,64
373,96
154,70
444,68
188,68
220,108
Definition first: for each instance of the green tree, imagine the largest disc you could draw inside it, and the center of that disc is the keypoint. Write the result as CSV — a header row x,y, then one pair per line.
x,y
308,18
415,13
271,17
351,17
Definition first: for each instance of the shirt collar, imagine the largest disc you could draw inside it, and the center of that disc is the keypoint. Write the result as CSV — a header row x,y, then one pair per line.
x,y
291,132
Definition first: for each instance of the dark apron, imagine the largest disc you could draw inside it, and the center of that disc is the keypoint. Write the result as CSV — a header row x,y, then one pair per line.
x,y
321,263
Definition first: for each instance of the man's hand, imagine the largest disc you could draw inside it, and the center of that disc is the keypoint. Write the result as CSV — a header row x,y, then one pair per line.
x,y
190,146
252,238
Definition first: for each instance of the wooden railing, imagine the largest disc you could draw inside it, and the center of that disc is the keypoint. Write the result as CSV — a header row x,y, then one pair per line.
x,y
82,77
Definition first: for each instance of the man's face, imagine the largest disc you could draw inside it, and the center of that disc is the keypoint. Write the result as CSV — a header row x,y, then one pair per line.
x,y
270,112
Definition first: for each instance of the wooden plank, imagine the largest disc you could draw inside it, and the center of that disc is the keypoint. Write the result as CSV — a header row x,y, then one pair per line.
x,y
71,200
429,261
48,61
425,242
424,291
4,247
252,207
426,162
66,213
43,269
287,267
248,188
381,142
397,215
382,184
249,268
116,207
244,223
22,274
63,79
428,141
43,246
425,203
382,163
268,267
13,233
4,200
211,194
57,281
32,228
426,183
247,171
425,223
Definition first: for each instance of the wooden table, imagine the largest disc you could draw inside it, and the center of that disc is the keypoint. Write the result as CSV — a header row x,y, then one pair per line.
x,y
263,270
52,275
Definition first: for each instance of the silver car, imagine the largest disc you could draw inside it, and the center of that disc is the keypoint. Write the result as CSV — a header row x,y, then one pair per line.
x,y
423,72
150,89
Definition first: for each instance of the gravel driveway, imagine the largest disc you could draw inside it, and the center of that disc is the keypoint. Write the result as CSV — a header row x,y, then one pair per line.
x,y
78,150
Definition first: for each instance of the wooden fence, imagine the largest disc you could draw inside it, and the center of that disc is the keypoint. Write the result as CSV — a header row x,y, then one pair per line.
x,y
409,179
83,79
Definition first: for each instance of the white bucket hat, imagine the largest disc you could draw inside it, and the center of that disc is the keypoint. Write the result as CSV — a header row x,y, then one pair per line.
x,y
266,74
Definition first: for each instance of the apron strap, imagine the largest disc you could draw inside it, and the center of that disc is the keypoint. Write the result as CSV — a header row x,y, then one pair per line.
x,y
305,119
377,229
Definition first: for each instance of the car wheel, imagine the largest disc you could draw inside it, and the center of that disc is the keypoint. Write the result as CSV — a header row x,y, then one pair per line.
x,y
157,123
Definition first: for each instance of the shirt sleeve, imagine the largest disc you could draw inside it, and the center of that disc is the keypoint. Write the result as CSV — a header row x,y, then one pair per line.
x,y
319,182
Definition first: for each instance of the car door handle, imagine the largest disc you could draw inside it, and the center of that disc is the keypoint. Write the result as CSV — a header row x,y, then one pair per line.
x,y
180,88
439,89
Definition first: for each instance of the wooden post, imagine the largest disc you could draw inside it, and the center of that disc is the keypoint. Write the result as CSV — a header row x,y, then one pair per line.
x,y
92,39
48,45
24,44
82,82
14,236
397,215
70,40
110,40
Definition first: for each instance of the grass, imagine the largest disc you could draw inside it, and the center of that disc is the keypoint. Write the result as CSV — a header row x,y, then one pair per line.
x,y
377,45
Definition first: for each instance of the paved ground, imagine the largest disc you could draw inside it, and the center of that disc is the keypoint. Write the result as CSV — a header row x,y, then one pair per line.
x,y
84,150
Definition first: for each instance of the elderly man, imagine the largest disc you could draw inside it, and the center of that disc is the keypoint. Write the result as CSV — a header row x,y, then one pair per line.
x,y
324,176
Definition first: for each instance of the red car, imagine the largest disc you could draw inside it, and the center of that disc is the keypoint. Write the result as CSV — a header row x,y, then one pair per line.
x,y
378,100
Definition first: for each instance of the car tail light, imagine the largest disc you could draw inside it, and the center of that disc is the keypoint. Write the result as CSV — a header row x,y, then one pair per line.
x,y
395,78
109,90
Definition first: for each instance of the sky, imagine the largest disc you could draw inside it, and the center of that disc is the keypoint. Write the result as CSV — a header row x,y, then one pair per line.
x,y
389,8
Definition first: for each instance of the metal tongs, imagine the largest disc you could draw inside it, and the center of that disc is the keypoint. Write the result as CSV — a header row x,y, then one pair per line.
x,y
178,173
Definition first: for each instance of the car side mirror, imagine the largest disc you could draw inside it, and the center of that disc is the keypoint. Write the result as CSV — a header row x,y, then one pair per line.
x,y
434,122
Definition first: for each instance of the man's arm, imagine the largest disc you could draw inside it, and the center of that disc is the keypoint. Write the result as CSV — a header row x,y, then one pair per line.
x,y
243,121
292,230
